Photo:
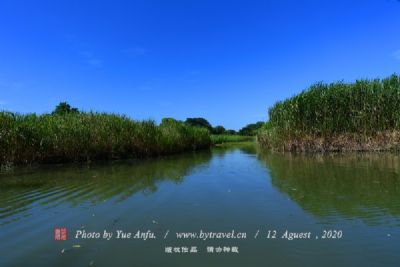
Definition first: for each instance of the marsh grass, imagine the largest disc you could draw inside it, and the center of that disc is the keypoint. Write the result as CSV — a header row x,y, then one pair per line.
x,y
226,138
357,110
90,136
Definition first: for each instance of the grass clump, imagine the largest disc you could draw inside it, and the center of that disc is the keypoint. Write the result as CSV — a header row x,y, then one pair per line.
x,y
89,136
335,116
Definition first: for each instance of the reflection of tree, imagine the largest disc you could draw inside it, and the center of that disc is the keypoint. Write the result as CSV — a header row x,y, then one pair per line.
x,y
75,185
365,186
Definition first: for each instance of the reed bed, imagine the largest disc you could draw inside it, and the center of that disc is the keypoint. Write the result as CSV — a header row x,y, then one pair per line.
x,y
51,138
325,112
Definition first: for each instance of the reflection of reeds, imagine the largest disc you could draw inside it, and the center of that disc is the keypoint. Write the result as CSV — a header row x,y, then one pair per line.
x,y
89,136
353,185
47,185
337,116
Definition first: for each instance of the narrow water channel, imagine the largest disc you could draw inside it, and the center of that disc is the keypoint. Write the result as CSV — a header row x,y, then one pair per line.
x,y
233,206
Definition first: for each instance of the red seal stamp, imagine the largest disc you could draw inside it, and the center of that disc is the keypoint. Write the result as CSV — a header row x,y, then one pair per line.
x,y
60,234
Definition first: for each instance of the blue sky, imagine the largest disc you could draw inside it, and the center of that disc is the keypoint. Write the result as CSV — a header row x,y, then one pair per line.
x,y
227,61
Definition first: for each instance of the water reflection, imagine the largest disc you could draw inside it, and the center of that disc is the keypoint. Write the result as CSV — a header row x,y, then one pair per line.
x,y
74,185
248,148
231,187
353,186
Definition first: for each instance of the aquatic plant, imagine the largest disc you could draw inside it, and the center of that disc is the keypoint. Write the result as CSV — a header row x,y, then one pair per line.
x,y
89,136
358,110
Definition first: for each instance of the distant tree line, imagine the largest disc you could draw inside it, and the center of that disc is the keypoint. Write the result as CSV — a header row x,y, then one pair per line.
x,y
249,130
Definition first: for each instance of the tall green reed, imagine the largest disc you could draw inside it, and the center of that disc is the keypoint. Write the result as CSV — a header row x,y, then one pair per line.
x,y
364,107
90,136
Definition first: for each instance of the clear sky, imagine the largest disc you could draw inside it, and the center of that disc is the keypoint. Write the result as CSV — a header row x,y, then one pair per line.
x,y
227,61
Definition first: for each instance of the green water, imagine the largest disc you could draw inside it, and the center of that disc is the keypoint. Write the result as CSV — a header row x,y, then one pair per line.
x,y
356,196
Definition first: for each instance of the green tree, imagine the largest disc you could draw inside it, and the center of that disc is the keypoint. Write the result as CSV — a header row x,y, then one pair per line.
x,y
200,122
218,130
251,129
231,132
64,108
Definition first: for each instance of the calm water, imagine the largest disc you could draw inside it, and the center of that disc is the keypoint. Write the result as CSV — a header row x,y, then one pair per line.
x,y
236,188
